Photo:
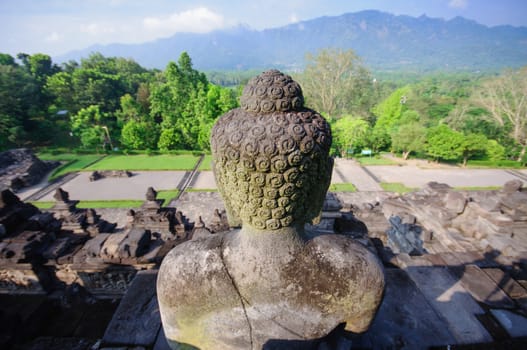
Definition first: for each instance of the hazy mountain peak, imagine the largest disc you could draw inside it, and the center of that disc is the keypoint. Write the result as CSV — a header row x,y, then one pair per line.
x,y
383,40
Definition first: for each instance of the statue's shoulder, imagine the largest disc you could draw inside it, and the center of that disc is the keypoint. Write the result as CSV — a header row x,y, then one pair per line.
x,y
341,252
194,270
198,255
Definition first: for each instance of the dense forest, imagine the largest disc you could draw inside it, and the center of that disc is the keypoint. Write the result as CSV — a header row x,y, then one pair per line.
x,y
112,103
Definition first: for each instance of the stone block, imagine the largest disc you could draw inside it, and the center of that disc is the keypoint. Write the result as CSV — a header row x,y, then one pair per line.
x,y
136,321
452,302
135,243
110,247
514,324
406,317
455,202
482,287
506,283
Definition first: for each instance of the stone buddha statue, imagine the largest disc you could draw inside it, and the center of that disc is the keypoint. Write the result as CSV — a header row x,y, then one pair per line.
x,y
265,282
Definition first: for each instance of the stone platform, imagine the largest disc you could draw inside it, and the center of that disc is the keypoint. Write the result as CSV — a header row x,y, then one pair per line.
x,y
440,301
455,293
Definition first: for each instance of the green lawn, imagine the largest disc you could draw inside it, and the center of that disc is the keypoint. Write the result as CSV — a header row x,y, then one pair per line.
x,y
121,203
146,162
72,162
343,187
167,195
201,190
375,161
396,187
42,205
118,203
206,164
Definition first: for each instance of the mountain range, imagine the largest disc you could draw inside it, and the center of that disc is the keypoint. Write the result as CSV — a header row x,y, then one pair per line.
x,y
384,41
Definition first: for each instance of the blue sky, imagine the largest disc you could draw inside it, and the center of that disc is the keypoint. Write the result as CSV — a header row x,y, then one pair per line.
x,y
58,26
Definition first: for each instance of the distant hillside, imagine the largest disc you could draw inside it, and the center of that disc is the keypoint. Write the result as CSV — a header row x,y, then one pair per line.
x,y
384,41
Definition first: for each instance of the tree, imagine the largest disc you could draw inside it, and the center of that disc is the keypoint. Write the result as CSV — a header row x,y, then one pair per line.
x,y
7,59
378,140
98,81
473,144
494,150
89,124
350,133
19,102
139,135
187,105
335,82
444,143
169,139
505,99
409,138
391,109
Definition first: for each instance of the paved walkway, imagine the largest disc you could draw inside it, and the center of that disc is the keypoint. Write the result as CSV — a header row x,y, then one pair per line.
x,y
345,171
413,176
81,188
349,171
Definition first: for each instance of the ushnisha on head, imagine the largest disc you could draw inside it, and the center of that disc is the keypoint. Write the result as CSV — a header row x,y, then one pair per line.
x,y
271,156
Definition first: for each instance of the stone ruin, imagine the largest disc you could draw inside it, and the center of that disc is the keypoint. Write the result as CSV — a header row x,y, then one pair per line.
x,y
20,168
101,174
42,251
79,221
168,223
269,282
440,219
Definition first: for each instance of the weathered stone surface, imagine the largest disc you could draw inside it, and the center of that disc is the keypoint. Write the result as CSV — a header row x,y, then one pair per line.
x,y
455,202
264,162
514,324
296,302
512,186
507,283
482,287
136,320
405,237
20,168
450,300
406,318
101,174
268,284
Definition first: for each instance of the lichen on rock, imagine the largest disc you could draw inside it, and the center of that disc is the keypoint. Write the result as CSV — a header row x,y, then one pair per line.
x,y
267,282
271,156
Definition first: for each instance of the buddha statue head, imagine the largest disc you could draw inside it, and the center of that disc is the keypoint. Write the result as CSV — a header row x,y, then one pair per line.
x,y
271,156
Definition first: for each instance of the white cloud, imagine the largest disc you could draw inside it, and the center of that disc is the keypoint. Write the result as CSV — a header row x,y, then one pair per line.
x,y
53,37
198,20
458,4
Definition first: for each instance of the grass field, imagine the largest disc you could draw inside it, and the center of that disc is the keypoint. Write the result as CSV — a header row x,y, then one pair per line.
x,y
167,195
343,187
396,187
94,204
72,162
201,190
375,161
146,162
206,164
